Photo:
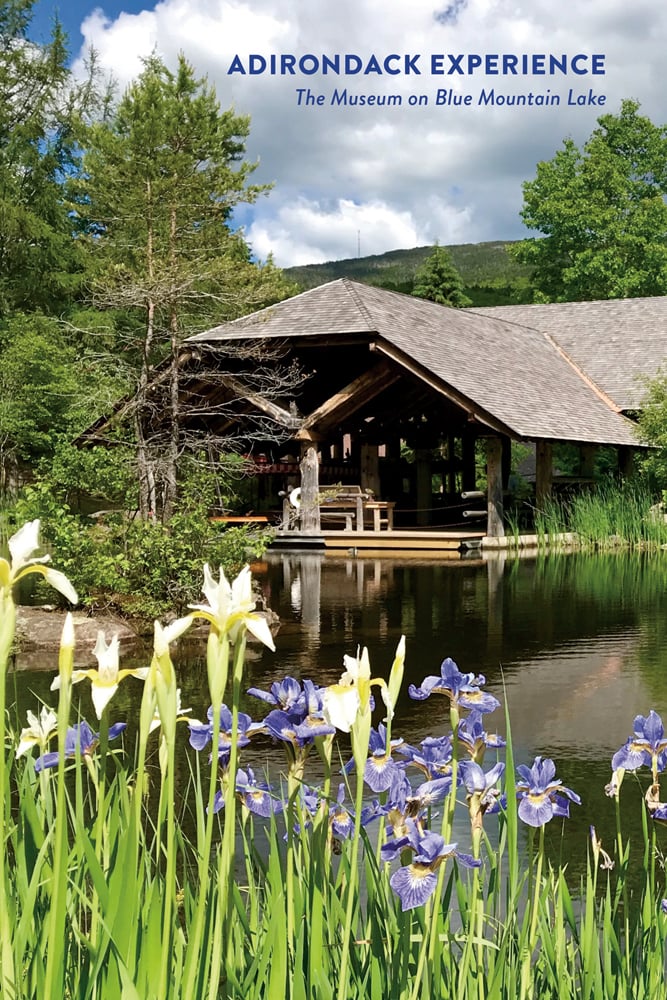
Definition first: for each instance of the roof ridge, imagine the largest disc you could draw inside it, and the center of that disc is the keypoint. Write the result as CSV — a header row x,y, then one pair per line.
x,y
581,373
351,288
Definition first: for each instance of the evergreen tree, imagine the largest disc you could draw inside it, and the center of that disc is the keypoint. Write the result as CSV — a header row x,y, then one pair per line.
x,y
438,280
40,108
163,174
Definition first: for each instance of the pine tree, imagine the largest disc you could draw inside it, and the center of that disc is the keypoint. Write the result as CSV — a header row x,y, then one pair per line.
x,y
40,108
162,176
438,280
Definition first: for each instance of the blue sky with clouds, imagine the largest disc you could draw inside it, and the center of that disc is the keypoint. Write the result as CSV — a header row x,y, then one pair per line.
x,y
393,176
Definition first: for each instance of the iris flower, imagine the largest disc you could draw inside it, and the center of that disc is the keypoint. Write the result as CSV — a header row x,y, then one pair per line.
x,y
201,733
647,747
286,694
483,795
22,544
541,795
380,769
433,756
253,793
416,882
475,739
462,690
80,739
231,607
105,680
38,732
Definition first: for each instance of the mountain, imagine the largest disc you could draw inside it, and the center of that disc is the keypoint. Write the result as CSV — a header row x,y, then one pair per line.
x,y
490,275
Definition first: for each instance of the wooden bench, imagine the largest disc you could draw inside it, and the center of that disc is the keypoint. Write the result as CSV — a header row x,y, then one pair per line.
x,y
338,503
383,513
348,502
240,519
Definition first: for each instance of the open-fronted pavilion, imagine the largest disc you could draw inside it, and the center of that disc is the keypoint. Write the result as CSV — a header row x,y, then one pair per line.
x,y
386,374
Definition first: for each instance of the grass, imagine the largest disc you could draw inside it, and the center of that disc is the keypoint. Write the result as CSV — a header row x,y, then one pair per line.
x,y
109,890
611,516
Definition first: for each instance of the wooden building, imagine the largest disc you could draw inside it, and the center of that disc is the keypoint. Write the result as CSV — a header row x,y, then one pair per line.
x,y
385,375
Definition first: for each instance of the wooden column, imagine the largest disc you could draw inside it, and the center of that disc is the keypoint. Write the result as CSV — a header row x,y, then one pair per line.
x,y
506,460
469,470
370,468
494,477
451,464
424,497
587,466
626,460
543,470
309,512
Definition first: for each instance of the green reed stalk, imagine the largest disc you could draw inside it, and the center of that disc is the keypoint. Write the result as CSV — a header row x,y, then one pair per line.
x,y
7,970
217,662
55,958
227,854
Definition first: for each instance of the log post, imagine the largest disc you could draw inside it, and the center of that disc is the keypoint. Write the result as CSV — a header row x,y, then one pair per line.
x,y
587,464
626,461
370,468
424,487
309,514
494,477
469,475
543,470
507,460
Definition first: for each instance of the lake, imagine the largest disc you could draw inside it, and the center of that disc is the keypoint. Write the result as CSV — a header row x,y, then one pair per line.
x,y
575,645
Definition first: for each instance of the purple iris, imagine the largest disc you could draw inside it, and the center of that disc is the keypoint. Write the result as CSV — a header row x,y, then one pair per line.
x,y
461,689
80,739
404,803
647,746
475,739
541,795
481,786
340,817
254,794
286,694
416,882
303,722
380,769
201,733
433,756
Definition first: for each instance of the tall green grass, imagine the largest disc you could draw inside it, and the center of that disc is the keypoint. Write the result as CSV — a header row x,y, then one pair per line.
x,y
104,893
611,516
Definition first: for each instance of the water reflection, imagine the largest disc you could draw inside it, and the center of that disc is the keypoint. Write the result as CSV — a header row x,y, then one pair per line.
x,y
576,645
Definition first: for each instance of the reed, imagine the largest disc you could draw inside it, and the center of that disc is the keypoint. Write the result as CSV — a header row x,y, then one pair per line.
x,y
611,516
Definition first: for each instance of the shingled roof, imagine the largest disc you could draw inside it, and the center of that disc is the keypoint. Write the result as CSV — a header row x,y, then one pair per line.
x,y
515,373
618,343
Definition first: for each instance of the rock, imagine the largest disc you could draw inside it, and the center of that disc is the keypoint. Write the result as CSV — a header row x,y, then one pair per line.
x,y
38,632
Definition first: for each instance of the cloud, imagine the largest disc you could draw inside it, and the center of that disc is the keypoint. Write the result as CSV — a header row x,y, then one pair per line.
x,y
399,175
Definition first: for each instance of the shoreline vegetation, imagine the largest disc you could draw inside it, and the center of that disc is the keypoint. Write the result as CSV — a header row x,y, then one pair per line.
x,y
114,884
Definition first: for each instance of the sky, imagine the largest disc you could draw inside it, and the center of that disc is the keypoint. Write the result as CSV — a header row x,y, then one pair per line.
x,y
358,180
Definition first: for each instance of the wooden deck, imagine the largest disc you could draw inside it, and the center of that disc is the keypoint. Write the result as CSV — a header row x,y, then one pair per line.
x,y
415,539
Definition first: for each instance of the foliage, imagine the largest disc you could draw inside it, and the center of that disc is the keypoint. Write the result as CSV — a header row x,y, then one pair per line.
x,y
163,173
41,108
438,280
482,266
38,384
117,560
608,516
652,429
134,892
601,212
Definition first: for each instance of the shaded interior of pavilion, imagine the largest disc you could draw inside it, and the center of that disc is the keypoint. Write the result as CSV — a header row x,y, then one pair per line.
x,y
369,423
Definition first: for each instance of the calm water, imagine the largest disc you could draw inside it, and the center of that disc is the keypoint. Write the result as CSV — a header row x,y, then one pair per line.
x,y
576,645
